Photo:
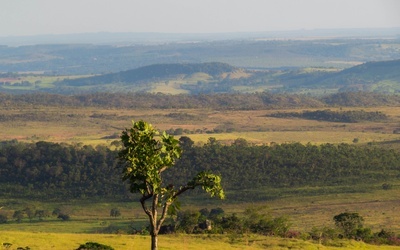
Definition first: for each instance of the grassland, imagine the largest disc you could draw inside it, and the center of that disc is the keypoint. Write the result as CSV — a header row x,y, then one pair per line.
x,y
307,208
379,209
44,241
101,126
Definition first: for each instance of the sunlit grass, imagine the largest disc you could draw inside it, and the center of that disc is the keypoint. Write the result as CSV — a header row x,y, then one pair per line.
x,y
84,125
314,137
45,241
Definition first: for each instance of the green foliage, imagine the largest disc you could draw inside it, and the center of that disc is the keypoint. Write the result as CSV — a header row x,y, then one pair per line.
x,y
61,171
258,221
144,159
188,221
41,214
387,186
115,212
3,218
323,234
351,224
18,215
237,101
94,246
64,217
57,171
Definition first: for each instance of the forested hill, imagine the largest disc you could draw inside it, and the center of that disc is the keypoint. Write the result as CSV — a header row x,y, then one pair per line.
x,y
367,73
154,72
377,69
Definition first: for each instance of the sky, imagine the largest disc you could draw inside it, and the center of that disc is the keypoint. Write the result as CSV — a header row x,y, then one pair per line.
x,y
40,17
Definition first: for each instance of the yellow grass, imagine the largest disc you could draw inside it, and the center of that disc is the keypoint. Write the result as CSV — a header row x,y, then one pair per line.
x,y
317,137
46,241
83,125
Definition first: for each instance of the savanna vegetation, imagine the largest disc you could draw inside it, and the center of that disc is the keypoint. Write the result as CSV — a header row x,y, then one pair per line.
x,y
316,169
335,116
61,171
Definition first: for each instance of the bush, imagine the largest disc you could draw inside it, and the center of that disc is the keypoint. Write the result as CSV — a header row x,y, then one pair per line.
x,y
115,212
94,246
3,219
349,223
64,217
387,186
6,245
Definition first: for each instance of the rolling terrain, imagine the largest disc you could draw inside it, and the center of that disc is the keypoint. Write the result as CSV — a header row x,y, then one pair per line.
x,y
300,129
206,78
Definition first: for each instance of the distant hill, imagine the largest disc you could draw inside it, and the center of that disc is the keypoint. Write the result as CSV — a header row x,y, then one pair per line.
x,y
218,77
382,76
156,72
367,73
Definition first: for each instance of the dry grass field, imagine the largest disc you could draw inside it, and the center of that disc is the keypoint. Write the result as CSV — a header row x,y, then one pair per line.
x,y
46,241
101,126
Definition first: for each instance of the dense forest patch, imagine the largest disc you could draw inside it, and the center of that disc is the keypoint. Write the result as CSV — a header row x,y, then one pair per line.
x,y
61,171
255,101
335,116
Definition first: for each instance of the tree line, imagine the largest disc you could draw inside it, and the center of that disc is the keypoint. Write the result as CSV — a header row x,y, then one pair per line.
x,y
350,116
63,171
243,101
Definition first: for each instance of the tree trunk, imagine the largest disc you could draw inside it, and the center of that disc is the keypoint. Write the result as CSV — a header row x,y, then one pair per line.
x,y
154,241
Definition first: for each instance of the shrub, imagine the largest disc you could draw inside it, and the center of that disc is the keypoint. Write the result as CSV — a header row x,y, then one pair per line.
x,y
115,212
94,246
387,186
64,217
6,245
3,219
349,223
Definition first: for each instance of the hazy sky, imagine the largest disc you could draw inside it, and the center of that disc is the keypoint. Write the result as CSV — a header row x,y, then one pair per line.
x,y
32,17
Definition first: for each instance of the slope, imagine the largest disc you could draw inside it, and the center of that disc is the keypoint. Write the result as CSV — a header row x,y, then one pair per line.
x,y
153,73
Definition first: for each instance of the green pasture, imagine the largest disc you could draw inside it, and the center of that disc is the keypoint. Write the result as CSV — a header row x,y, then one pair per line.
x,y
305,207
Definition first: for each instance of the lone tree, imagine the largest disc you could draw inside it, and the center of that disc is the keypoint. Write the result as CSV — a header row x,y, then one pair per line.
x,y
144,157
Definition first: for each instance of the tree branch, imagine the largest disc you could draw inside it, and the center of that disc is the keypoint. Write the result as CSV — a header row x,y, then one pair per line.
x,y
162,169
163,215
143,202
183,189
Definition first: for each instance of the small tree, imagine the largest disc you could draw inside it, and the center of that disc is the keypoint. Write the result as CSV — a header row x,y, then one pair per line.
x,y
18,215
41,214
29,212
3,218
349,223
144,158
64,217
114,212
